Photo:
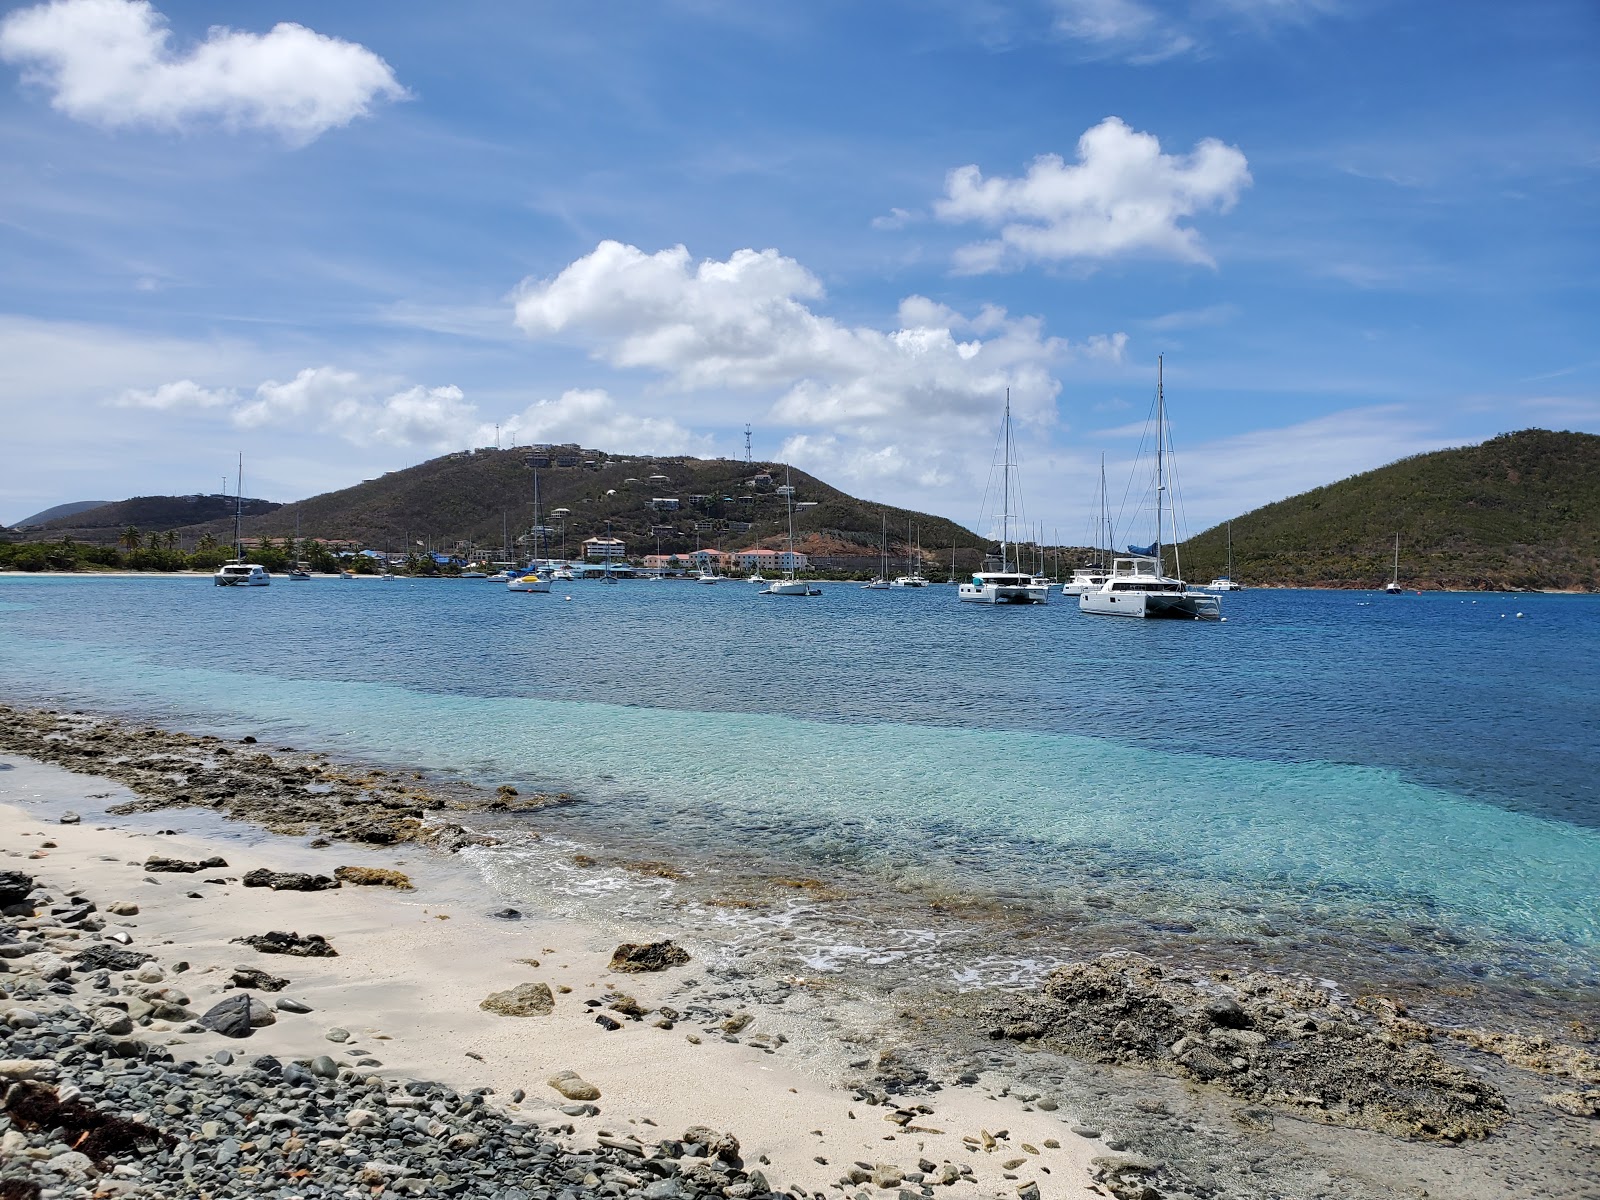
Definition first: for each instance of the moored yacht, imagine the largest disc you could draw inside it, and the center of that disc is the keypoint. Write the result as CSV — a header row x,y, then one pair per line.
x,y
236,572
1084,579
789,585
241,574
1224,582
1138,585
1005,586
532,581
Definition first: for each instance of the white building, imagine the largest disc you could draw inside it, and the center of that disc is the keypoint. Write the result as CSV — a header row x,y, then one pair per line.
x,y
604,548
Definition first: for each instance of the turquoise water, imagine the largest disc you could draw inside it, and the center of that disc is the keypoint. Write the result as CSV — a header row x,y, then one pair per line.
x,y
1402,786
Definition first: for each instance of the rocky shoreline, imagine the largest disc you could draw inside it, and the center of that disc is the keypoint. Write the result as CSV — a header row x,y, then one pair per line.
x,y
1286,1048
92,1108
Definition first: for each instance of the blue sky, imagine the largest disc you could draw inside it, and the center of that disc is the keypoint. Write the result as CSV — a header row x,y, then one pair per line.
x,y
344,238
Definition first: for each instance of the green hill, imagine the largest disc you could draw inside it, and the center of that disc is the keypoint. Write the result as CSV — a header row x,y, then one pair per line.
x,y
1521,511
58,511
149,514
483,496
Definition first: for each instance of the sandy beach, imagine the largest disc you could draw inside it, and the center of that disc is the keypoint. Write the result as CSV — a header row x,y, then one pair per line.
x,y
1078,1094
413,967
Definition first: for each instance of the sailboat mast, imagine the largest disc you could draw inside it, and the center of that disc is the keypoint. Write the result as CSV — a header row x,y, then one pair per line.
x,y
1161,478
238,515
1105,517
1005,501
536,526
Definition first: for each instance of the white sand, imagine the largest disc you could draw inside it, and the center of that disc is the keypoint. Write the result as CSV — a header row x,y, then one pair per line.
x,y
413,966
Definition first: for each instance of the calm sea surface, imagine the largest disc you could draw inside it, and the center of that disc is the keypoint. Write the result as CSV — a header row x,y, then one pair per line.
x,y
1392,788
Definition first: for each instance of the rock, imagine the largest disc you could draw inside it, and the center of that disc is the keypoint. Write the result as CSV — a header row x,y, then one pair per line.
x,y
1580,1104
337,1035
250,977
313,945
288,881
374,877
160,862
74,1165
104,957
237,1016
649,956
70,818
324,1067
524,1000
506,914
360,1118
114,1021
717,1145
1227,1013
293,1006
14,1069
15,887
123,908
573,1087
151,973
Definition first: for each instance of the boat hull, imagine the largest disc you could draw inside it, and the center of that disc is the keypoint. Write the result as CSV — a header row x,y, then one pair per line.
x,y
1172,606
789,587
1002,594
528,583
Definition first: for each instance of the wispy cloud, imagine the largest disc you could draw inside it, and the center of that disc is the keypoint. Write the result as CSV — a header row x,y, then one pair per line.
x,y
1144,32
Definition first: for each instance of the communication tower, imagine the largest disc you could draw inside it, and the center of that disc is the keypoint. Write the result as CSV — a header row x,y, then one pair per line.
x,y
747,443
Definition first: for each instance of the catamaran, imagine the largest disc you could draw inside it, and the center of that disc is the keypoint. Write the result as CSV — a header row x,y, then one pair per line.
x,y
1088,578
1005,586
789,585
880,582
1224,582
236,572
1138,586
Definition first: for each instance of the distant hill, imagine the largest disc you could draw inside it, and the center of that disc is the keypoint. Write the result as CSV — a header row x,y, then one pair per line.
x,y
483,496
1521,511
60,510
149,514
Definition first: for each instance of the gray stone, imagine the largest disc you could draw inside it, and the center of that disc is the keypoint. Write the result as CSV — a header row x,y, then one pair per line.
x,y
325,1067
237,1016
70,818
114,1021
293,1006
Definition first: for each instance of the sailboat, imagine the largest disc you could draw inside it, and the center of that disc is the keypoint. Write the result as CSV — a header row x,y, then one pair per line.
x,y
301,571
236,572
880,582
1138,586
1393,588
533,580
1225,583
1005,586
914,576
789,585
610,576
1087,578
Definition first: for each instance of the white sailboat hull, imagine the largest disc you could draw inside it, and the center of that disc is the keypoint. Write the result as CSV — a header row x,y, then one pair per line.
x,y
984,589
528,583
789,587
1181,606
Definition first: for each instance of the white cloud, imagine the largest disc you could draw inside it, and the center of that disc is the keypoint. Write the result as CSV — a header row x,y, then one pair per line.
x,y
185,393
110,63
372,412
919,401
1122,197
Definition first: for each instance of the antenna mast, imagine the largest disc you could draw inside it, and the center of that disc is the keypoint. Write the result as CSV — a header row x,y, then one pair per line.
x,y
747,444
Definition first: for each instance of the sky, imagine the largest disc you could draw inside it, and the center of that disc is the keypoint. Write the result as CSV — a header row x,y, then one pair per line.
x,y
339,239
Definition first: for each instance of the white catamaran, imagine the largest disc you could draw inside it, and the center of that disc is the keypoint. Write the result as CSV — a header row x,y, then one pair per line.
x,y
1224,582
1088,578
533,579
236,572
1007,585
1138,586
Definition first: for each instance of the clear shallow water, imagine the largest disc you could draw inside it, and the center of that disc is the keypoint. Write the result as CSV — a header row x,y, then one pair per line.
x,y
1402,785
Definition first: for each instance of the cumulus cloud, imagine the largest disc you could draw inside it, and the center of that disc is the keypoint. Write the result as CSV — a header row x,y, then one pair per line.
x,y
111,63
1123,197
368,412
911,401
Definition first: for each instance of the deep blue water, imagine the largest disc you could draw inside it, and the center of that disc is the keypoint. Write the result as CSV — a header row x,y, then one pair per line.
x,y
1416,773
